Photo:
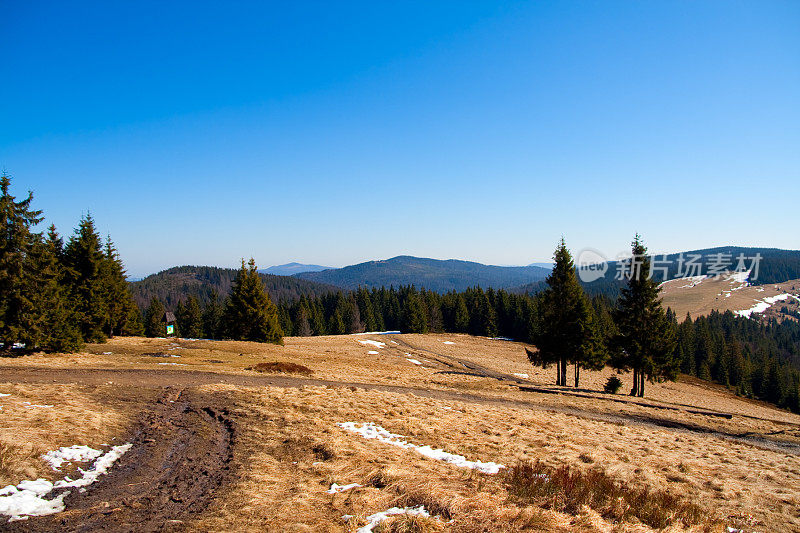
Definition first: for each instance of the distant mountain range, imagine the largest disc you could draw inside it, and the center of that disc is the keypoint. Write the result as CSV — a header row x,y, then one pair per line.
x,y
290,269
432,274
177,283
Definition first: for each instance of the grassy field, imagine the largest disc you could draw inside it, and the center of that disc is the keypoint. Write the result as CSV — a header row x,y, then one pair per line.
x,y
689,456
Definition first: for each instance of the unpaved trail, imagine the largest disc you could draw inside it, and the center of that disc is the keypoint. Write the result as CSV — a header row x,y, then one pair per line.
x,y
181,454
190,378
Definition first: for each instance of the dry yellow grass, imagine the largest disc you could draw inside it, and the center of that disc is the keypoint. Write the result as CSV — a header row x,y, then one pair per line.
x,y
38,418
288,449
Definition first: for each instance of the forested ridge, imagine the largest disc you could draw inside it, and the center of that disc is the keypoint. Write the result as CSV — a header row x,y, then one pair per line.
x,y
204,282
775,266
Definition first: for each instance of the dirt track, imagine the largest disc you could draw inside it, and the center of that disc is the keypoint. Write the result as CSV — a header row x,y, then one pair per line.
x,y
189,378
182,451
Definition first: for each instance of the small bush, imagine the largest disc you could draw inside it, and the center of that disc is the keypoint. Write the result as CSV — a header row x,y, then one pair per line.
x,y
278,367
613,385
567,489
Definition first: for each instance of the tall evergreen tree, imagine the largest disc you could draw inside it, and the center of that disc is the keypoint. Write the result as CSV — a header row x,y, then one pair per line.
x,y
212,317
116,291
50,322
646,340
190,319
85,265
567,331
154,319
249,313
16,240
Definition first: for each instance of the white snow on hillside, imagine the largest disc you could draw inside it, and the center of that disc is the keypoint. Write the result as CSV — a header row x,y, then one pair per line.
x,y
522,376
372,352
762,305
373,431
740,276
376,344
413,361
449,342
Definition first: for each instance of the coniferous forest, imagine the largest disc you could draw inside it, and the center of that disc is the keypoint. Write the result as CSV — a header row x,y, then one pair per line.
x,y
57,295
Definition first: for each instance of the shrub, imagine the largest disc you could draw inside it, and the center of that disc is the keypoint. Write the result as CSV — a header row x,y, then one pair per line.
x,y
613,385
277,367
567,489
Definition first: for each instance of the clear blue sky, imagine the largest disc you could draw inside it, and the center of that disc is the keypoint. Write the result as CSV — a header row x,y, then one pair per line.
x,y
333,133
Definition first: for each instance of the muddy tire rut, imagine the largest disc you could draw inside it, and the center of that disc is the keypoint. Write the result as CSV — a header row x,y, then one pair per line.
x,y
182,454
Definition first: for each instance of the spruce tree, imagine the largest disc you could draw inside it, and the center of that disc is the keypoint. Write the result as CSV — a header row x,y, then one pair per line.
x,y
212,317
16,240
85,266
49,323
190,322
116,291
414,317
646,340
567,332
154,319
249,314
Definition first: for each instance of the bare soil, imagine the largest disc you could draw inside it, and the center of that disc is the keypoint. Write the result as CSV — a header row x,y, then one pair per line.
x,y
181,452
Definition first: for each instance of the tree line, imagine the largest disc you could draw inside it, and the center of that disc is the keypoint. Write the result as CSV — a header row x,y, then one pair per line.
x,y
54,296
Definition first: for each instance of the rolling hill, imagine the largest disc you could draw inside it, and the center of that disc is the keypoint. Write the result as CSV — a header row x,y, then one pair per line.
x,y
776,266
432,274
177,283
290,269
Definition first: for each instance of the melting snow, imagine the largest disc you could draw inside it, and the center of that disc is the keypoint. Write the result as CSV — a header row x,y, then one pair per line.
x,y
68,455
372,431
375,519
763,305
372,352
449,342
28,497
413,361
30,405
174,364
376,344
523,376
3,395
378,333
341,488
740,276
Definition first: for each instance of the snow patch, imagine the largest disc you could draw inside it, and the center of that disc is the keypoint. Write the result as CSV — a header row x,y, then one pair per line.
x,y
372,352
173,364
378,333
373,431
341,488
523,376
70,454
375,519
30,405
762,305
3,395
740,276
413,361
376,344
449,342
28,498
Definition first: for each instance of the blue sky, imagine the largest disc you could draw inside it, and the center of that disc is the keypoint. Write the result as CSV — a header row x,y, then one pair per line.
x,y
334,133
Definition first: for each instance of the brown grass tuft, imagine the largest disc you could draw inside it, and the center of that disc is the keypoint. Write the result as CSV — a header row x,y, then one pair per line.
x,y
281,367
409,524
567,489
